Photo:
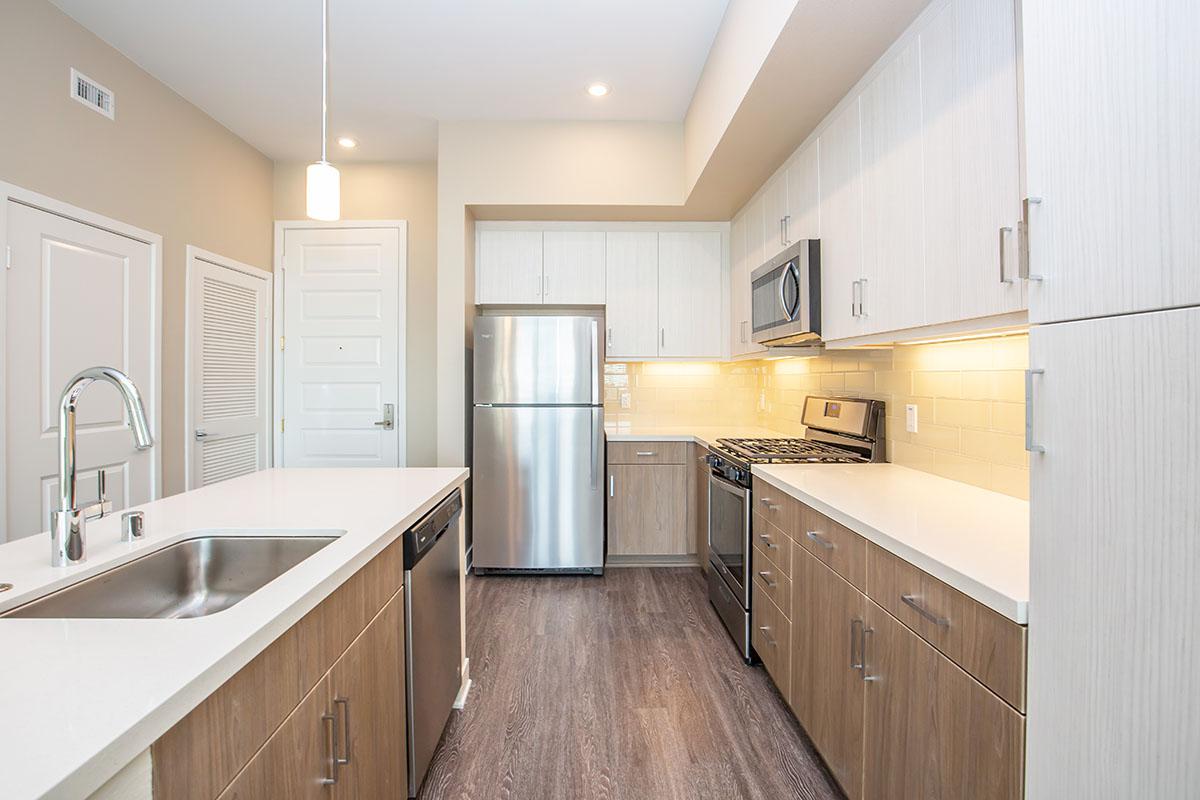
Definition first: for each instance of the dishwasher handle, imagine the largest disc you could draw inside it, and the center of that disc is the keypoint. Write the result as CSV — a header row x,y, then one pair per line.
x,y
420,538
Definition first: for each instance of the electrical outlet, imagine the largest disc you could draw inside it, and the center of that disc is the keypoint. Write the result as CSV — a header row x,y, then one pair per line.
x,y
626,400
910,418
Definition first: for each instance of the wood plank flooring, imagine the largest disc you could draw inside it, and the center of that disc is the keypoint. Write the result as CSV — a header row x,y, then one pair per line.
x,y
621,687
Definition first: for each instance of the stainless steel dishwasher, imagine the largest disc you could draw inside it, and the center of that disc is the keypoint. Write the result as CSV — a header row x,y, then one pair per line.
x,y
432,631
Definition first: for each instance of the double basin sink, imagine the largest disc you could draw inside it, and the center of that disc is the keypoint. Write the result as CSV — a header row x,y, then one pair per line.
x,y
192,578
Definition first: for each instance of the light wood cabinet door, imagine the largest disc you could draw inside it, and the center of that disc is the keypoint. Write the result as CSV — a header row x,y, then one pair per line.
x,y
828,691
366,688
1114,561
295,761
804,194
1112,116
573,267
631,294
690,278
841,225
647,509
932,731
508,267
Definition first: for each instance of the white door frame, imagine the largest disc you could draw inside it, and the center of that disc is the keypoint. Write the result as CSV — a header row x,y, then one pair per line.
x,y
281,228
194,254
51,206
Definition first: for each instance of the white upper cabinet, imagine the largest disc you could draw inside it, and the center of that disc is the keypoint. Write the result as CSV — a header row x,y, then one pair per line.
x,y
775,212
841,226
573,267
508,267
893,292
689,294
756,249
631,314
741,340
1112,121
803,213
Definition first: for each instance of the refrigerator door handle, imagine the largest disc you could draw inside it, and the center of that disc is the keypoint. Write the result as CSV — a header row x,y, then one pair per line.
x,y
592,449
597,366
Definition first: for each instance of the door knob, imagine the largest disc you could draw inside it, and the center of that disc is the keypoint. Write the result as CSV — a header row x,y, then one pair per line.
x,y
201,433
389,417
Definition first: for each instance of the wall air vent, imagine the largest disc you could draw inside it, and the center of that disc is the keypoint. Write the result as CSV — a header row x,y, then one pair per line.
x,y
92,94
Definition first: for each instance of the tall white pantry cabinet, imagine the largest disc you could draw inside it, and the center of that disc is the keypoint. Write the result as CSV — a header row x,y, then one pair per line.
x,y
1112,126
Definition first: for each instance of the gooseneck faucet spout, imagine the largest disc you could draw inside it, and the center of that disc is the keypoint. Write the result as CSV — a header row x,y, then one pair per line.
x,y
68,521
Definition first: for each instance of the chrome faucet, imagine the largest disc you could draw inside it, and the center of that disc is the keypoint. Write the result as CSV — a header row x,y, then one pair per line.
x,y
67,524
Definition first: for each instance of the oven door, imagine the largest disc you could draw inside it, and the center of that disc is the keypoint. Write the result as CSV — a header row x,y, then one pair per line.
x,y
729,534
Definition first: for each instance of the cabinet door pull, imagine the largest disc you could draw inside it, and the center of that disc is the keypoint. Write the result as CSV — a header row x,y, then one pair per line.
x,y
766,632
856,626
866,637
854,299
331,776
1004,238
662,337
862,298
612,486
1023,239
914,602
344,704
787,234
647,453
768,541
1029,445
819,539
608,337
766,576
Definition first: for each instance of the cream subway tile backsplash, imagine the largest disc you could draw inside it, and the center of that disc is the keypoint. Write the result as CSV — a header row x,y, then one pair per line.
x,y
969,394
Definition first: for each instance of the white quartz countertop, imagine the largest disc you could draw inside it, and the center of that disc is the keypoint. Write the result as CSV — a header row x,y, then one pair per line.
x,y
702,434
970,538
81,698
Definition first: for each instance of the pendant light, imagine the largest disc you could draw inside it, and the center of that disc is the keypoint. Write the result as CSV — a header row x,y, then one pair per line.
x,y
324,184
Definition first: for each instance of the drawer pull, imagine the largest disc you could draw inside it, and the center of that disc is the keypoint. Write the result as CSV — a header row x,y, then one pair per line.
x,y
766,632
856,661
766,576
819,539
767,539
766,501
913,602
646,453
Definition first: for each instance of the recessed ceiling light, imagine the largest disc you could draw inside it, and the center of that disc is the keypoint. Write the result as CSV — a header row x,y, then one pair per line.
x,y
347,142
598,89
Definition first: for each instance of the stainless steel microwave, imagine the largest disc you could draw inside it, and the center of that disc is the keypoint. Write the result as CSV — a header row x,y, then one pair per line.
x,y
785,297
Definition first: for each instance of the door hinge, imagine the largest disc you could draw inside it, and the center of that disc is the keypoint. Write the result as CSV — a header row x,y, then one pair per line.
x,y
282,423
8,256
281,338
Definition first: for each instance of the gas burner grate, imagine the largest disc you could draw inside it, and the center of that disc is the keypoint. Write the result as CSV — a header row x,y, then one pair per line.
x,y
788,450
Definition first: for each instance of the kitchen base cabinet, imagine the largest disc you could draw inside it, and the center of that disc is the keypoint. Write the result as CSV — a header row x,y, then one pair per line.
x,y
932,731
827,689
698,502
647,510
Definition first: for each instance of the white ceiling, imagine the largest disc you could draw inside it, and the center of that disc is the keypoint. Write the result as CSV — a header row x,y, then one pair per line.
x,y
399,66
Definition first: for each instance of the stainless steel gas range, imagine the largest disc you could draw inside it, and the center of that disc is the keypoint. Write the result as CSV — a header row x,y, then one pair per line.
x,y
838,430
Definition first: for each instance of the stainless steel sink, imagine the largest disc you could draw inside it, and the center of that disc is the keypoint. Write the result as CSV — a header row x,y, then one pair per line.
x,y
192,578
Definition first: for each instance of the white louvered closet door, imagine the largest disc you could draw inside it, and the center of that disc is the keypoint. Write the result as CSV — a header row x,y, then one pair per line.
x,y
229,329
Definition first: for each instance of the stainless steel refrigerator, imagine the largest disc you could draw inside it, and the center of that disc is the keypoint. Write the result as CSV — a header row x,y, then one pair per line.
x,y
538,457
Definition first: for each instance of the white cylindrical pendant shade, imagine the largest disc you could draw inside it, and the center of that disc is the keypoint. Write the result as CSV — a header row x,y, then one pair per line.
x,y
324,191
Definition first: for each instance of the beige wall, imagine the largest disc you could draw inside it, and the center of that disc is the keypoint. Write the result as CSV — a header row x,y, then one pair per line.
x,y
162,165
556,163
404,191
969,395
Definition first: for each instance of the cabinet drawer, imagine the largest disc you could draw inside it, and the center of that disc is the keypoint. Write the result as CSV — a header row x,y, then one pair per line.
x,y
771,635
648,452
985,644
835,545
771,541
777,507
774,581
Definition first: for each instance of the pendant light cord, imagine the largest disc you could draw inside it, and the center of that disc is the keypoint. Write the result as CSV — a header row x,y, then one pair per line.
x,y
324,78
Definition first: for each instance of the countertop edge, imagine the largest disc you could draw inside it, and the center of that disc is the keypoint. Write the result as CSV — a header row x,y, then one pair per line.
x,y
92,774
1014,610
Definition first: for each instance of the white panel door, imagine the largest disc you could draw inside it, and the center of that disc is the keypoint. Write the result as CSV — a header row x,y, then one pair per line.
x,y
804,194
689,296
1114,705
1112,121
508,268
342,326
631,295
841,225
894,291
775,205
229,335
78,296
573,267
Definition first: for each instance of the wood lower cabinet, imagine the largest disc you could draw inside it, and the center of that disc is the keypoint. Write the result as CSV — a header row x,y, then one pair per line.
x,y
698,502
828,692
648,510
932,731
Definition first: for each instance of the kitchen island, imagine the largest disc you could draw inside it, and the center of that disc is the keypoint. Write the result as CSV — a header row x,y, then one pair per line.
x,y
92,695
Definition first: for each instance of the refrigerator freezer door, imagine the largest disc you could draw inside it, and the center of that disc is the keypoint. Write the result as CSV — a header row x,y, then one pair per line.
x,y
538,478
537,360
